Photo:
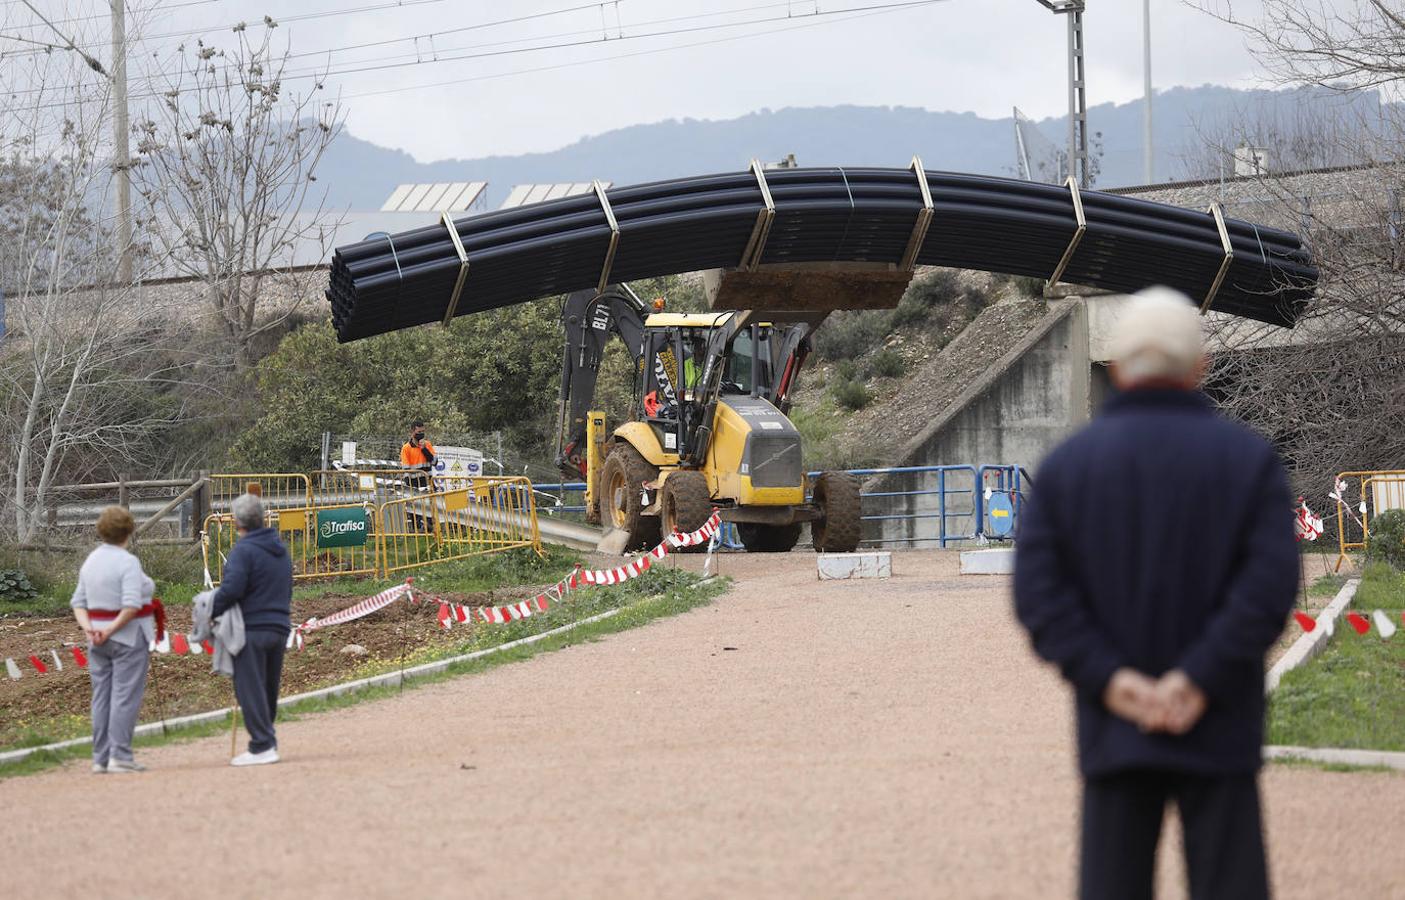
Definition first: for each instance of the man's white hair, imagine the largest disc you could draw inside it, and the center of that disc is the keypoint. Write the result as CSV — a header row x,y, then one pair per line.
x,y
1158,336
248,512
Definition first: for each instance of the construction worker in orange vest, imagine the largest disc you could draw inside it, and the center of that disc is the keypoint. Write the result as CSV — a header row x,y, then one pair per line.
x,y
418,454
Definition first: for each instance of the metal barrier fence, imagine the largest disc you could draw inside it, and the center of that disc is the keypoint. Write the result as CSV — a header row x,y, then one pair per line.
x,y
280,490
964,502
375,486
323,541
493,514
404,531
1379,491
954,498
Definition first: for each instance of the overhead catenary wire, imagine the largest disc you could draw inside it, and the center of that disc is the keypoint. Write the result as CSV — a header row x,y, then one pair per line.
x,y
491,76
265,22
794,23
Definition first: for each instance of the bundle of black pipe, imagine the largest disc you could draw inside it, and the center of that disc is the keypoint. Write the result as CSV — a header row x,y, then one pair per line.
x,y
863,215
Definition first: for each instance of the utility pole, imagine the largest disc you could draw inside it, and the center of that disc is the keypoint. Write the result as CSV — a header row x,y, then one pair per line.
x,y
121,154
1077,88
1149,161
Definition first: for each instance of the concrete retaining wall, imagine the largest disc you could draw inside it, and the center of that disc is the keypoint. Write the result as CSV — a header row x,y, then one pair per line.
x,y
1026,401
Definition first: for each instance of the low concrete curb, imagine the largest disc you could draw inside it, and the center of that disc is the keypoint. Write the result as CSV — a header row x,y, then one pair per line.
x,y
998,561
1340,756
1311,642
388,679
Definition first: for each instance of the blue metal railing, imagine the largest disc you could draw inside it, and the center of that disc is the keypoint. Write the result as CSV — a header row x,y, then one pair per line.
x,y
948,491
960,513
556,493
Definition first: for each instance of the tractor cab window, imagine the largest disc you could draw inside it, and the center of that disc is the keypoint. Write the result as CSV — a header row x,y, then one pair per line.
x,y
747,365
739,375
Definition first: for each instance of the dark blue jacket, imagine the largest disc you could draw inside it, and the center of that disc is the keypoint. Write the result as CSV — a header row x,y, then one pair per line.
x,y
1158,537
258,577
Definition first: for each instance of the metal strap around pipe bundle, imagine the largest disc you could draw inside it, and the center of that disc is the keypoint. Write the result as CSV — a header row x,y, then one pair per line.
x,y
453,306
614,235
924,218
1218,213
751,256
1077,235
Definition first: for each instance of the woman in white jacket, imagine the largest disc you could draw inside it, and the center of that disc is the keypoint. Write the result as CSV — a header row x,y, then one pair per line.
x,y
114,606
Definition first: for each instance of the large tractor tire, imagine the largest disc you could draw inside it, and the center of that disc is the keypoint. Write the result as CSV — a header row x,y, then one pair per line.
x,y
769,538
686,504
621,497
840,524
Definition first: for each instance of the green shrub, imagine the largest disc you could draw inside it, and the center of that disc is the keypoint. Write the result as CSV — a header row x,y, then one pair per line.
x,y
852,395
1386,542
847,370
887,364
851,334
15,587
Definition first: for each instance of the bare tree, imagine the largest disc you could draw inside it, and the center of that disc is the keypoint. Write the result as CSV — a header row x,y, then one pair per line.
x,y
227,169
1347,45
76,365
1332,393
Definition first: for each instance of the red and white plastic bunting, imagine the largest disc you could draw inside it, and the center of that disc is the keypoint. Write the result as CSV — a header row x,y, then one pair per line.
x,y
1359,622
449,613
1306,526
352,613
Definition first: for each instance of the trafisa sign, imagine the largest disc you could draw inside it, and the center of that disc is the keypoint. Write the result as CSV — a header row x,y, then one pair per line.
x,y
342,527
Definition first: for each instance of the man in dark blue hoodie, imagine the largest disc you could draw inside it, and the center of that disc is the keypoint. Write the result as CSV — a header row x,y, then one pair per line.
x,y
1155,565
258,578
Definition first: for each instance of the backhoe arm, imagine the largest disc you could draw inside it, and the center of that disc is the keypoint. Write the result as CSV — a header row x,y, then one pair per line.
x,y
588,320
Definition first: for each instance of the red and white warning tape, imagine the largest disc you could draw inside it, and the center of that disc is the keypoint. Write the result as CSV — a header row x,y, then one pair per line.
x,y
1306,526
352,613
449,613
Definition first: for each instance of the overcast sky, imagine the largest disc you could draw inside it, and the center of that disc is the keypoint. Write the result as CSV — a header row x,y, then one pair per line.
x,y
979,56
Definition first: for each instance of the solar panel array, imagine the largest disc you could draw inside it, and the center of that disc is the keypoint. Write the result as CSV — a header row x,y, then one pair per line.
x,y
535,193
457,196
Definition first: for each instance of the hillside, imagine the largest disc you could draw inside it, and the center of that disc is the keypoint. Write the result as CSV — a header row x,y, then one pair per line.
x,y
360,174
881,377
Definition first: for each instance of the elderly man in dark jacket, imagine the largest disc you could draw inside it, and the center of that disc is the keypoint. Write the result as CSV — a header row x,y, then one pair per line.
x,y
258,578
1155,564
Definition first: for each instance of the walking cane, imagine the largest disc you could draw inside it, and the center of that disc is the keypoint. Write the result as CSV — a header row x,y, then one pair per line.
x,y
233,720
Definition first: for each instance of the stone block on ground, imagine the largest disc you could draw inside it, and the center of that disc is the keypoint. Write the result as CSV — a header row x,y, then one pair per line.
x,y
841,566
1000,561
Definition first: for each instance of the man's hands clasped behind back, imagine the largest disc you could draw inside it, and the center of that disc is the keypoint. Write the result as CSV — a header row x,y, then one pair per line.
x,y
1170,704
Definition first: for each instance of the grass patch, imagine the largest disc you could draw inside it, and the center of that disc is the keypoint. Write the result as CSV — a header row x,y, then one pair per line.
x,y
476,573
1327,585
660,593
822,442
1353,693
1300,763
179,575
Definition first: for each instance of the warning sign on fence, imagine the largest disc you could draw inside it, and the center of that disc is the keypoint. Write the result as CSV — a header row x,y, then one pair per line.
x,y
458,462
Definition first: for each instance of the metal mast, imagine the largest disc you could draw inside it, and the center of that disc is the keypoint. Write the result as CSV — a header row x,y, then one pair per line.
x,y
1149,160
1077,88
122,156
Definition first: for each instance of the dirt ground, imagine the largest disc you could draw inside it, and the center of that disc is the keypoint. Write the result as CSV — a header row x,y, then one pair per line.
x,y
183,684
794,738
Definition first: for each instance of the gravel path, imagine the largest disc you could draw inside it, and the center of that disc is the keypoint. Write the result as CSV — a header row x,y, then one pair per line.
x,y
862,739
